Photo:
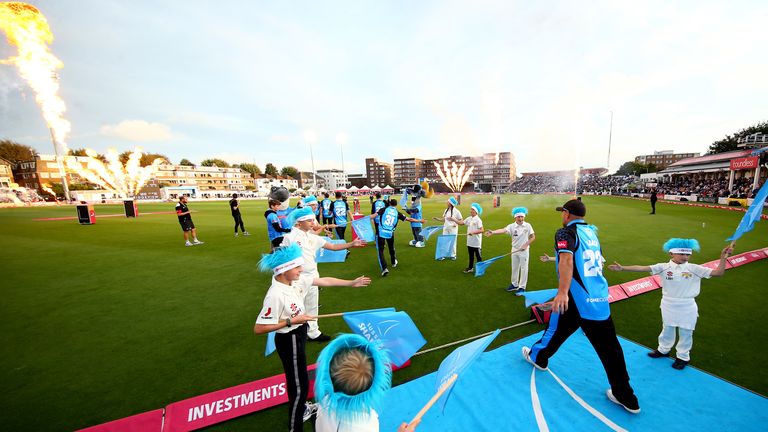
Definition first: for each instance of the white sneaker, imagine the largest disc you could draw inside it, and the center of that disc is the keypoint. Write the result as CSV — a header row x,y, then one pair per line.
x,y
527,357
420,244
246,233
236,234
310,409
412,243
188,244
197,242
394,264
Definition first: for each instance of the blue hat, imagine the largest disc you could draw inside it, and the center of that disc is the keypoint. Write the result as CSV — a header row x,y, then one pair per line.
x,y
310,200
681,246
477,208
519,211
453,201
304,213
281,259
347,407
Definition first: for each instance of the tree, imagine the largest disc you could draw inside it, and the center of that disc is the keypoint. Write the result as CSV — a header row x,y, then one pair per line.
x,y
186,162
251,168
290,171
15,152
77,152
730,142
146,158
636,168
217,162
270,170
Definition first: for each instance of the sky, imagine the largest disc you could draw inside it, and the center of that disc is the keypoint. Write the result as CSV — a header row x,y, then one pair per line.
x,y
264,81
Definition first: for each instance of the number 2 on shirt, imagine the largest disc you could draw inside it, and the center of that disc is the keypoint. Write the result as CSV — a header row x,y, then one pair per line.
x,y
593,263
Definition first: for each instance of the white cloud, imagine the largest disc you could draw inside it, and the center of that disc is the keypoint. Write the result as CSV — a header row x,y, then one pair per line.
x,y
138,130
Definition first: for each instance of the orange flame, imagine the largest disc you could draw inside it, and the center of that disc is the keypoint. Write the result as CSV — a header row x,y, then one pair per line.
x,y
27,30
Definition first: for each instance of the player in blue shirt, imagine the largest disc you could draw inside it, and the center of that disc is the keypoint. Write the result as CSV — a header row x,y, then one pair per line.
x,y
582,302
275,228
388,217
326,211
340,210
377,205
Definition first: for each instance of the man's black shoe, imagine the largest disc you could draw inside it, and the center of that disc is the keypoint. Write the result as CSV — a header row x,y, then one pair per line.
x,y
321,338
631,406
656,354
679,364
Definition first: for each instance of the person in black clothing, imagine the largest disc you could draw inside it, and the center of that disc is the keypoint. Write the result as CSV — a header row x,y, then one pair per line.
x,y
185,220
235,207
654,198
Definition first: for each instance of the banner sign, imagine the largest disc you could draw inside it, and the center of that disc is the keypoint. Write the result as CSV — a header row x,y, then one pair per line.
x,y
222,405
744,163
640,286
745,258
615,293
145,422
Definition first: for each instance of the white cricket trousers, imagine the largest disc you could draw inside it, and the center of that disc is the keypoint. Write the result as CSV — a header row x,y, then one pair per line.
x,y
311,303
520,268
684,343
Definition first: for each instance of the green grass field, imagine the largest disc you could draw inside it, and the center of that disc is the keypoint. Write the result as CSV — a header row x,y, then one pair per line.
x,y
105,321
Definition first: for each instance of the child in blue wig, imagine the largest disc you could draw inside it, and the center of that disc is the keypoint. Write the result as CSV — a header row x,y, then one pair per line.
x,y
352,377
522,235
449,218
680,284
474,235
284,313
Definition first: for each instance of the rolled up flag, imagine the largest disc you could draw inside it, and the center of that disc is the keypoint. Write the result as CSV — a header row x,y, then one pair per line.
x,y
427,232
459,360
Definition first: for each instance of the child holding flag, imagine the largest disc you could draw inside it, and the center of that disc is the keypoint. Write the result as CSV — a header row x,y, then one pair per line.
x,y
522,236
680,284
351,379
302,222
474,235
449,218
283,312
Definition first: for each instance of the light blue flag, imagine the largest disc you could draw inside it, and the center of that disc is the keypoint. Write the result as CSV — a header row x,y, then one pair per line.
x,y
427,232
752,215
538,297
404,199
329,256
445,245
270,344
459,360
398,334
364,230
481,266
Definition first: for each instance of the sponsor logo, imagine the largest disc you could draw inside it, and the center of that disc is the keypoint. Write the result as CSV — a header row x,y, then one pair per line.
x,y
738,260
562,244
597,299
268,312
238,401
687,275
640,286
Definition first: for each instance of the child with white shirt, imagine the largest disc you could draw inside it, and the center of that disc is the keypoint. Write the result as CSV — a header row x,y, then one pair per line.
x,y
474,235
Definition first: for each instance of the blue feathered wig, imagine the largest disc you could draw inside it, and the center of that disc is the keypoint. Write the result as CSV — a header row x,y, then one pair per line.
x,y
519,211
350,407
304,213
281,259
478,208
681,246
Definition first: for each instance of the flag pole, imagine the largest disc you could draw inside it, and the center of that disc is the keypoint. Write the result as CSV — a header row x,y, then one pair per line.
x,y
330,315
446,385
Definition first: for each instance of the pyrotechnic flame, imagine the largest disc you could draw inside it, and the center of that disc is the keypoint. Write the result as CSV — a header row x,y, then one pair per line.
x,y
27,30
455,177
47,188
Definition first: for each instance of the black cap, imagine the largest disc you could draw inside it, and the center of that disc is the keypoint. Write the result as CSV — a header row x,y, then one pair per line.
x,y
574,207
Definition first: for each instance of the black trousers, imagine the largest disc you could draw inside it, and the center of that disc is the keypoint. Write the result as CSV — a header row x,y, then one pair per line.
x,y
390,242
473,252
602,336
238,221
327,220
276,242
417,234
291,349
340,232
653,207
